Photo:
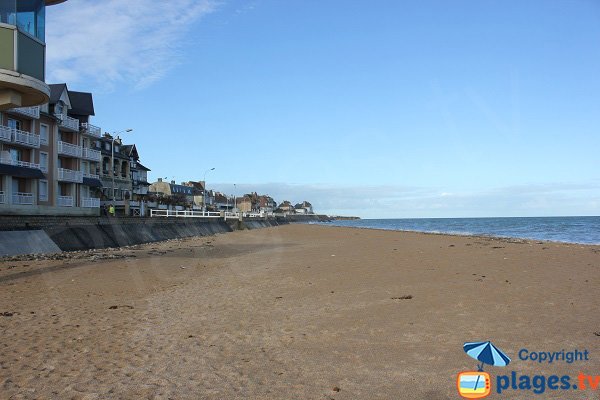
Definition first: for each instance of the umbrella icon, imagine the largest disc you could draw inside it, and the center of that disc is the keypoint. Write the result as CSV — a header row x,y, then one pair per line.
x,y
487,353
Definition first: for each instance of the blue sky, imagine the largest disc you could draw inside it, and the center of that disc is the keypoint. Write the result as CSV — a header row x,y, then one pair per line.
x,y
377,109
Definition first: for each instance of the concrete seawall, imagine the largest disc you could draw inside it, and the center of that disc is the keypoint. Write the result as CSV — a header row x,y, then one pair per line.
x,y
49,234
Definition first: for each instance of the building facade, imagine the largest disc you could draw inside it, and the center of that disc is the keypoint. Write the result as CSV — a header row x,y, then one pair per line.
x,y
47,163
23,53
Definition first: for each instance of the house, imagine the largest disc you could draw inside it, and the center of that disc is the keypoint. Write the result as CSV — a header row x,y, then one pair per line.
x,y
266,204
285,207
303,208
23,54
172,193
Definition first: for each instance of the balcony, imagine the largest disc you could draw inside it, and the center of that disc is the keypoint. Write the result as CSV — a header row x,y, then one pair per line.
x,y
64,201
67,175
2,198
24,138
91,130
68,123
91,154
90,203
30,112
19,163
23,198
68,149
5,134
91,176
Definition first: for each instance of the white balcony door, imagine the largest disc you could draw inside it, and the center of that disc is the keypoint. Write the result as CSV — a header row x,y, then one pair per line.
x,y
44,133
14,124
44,161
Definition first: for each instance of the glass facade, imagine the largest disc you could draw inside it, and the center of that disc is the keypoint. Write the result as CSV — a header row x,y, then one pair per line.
x,y
28,15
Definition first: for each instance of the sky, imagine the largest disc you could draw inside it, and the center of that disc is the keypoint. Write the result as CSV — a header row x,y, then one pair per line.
x,y
379,109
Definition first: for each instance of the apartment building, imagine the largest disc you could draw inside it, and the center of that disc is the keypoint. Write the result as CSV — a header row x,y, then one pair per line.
x,y
48,165
23,53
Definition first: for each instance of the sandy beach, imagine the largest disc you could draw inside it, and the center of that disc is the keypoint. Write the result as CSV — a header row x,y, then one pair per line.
x,y
293,312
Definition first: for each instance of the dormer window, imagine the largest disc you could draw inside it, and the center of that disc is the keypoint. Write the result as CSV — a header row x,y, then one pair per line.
x,y
58,108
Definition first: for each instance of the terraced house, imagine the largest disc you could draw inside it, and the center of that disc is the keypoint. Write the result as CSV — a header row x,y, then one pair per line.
x,y
48,164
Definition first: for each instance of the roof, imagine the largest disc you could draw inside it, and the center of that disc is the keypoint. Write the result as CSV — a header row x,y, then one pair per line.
x,y
82,103
56,91
140,166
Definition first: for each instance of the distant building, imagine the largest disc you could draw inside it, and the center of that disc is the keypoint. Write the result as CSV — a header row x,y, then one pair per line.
x,y
303,208
285,206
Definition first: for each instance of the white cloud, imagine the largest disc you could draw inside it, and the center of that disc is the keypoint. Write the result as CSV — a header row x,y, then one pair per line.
x,y
110,42
389,201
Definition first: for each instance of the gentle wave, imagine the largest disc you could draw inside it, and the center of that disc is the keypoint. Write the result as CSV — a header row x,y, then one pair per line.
x,y
583,230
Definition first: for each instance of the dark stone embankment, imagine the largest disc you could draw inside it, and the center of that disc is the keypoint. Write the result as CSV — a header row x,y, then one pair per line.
x,y
45,234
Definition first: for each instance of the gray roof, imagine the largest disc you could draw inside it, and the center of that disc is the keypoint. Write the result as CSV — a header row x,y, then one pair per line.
x,y
82,103
55,91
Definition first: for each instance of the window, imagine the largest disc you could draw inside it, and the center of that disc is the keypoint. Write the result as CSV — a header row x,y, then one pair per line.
x,y
43,134
58,108
14,124
43,190
16,154
43,161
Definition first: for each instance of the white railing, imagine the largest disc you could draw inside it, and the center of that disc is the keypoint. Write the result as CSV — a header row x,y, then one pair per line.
x,y
184,214
68,149
68,175
5,133
91,130
2,198
19,163
90,202
91,176
25,138
64,201
32,112
22,198
91,154
69,123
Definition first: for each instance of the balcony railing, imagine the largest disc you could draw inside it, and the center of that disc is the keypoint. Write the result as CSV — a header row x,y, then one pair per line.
x,y
90,203
24,138
67,175
68,149
69,123
91,130
5,134
91,154
2,198
31,112
19,163
22,198
64,201
91,176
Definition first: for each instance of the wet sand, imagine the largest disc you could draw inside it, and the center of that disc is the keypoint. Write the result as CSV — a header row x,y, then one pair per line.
x,y
293,312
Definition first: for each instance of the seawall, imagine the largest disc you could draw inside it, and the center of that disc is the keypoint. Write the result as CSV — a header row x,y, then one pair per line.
x,y
37,234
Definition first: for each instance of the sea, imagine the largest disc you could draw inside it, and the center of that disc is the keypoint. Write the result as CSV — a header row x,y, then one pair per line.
x,y
585,230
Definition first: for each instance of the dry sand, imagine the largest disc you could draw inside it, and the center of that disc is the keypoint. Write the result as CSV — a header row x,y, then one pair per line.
x,y
293,312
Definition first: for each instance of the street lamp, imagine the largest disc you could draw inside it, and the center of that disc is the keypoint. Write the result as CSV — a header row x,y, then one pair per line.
x,y
234,198
112,147
204,201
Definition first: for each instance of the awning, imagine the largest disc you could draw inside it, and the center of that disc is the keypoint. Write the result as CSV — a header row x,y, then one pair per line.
x,y
91,182
21,172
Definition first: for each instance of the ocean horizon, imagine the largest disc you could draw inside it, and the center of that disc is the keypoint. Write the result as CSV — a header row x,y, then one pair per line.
x,y
582,230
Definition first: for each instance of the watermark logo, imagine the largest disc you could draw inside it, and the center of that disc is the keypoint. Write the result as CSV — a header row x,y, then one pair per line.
x,y
477,384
